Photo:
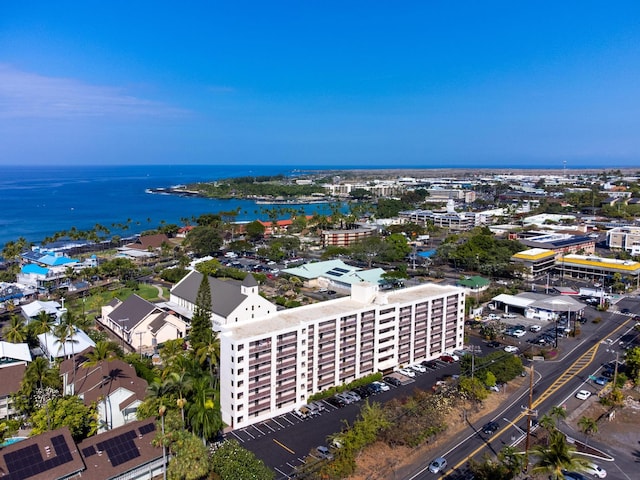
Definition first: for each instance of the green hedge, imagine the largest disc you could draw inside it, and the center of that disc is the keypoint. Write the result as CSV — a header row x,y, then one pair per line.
x,y
329,392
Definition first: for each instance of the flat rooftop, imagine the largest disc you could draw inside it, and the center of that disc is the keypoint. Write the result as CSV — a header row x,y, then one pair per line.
x,y
286,319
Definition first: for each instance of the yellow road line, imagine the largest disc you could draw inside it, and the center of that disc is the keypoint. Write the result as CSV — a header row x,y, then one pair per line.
x,y
580,364
284,446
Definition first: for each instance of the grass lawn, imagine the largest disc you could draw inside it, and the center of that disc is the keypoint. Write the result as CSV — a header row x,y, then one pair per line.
x,y
94,302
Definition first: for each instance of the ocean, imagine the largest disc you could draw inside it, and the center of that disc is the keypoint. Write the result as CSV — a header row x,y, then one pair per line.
x,y
36,202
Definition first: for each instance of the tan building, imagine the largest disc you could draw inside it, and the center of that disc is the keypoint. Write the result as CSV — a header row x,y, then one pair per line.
x,y
345,238
624,238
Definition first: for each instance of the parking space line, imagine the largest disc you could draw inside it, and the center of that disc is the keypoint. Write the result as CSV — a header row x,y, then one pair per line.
x,y
268,426
282,473
260,431
237,436
277,423
285,417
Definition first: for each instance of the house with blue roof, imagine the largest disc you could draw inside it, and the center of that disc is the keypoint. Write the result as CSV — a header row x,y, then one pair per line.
x,y
335,274
45,270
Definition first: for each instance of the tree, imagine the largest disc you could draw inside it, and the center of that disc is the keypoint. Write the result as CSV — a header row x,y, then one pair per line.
x,y
190,459
66,412
230,461
558,413
39,375
201,332
204,240
210,353
65,331
203,415
474,388
512,460
588,426
632,360
181,383
397,247
43,323
557,456
16,330
254,230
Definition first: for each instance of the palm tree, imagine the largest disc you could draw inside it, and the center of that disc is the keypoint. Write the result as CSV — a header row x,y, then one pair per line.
x,y
38,375
104,350
182,383
16,330
512,459
210,352
43,323
558,413
588,426
204,417
559,455
65,332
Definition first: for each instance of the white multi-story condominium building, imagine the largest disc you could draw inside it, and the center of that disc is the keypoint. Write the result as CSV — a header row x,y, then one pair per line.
x,y
271,365
624,238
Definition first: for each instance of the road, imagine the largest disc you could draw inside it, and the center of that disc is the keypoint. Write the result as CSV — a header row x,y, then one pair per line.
x,y
555,383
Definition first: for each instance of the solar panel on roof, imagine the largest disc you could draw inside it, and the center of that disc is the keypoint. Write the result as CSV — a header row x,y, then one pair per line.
x,y
120,449
28,461
88,451
334,274
147,429
341,270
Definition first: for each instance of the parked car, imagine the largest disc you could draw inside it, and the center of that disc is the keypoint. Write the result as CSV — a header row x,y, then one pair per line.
x,y
437,465
490,428
353,395
602,381
493,344
383,387
511,349
324,452
518,333
508,315
595,470
407,372
348,399
392,381
573,475
447,359
336,401
583,394
535,328
418,368
430,364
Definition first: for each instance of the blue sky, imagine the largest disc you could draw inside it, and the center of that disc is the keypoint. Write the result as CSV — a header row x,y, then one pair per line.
x,y
363,83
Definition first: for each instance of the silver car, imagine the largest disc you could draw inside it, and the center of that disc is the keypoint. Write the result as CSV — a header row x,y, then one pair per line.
x,y
438,465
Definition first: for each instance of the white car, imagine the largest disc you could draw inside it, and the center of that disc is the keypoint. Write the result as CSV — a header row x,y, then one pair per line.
x,y
508,315
583,394
596,470
418,368
535,328
519,333
407,372
383,386
511,349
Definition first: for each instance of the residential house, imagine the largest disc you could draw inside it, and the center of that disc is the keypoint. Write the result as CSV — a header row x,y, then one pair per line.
x,y
142,324
49,456
53,348
231,301
111,384
10,379
125,453
30,311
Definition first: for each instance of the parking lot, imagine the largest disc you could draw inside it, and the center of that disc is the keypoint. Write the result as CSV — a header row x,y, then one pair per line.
x,y
286,441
